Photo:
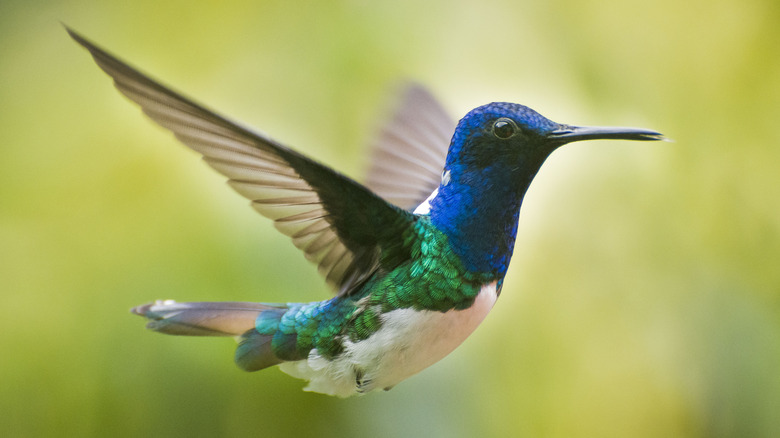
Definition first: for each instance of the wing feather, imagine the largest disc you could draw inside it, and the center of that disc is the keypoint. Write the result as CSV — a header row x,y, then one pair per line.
x,y
338,224
409,153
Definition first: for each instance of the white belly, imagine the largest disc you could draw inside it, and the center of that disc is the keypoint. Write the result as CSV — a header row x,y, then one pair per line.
x,y
408,342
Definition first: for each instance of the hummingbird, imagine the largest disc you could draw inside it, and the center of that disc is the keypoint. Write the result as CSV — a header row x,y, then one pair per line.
x,y
416,257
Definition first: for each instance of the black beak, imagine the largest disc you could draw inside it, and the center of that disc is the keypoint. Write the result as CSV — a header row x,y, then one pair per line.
x,y
568,133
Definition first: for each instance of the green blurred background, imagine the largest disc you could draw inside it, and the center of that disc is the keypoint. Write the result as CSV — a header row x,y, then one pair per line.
x,y
644,297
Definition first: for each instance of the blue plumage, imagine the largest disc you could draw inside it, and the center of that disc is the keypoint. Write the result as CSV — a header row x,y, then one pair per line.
x,y
486,179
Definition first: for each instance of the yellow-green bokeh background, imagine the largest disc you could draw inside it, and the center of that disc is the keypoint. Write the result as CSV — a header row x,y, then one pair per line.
x,y
644,297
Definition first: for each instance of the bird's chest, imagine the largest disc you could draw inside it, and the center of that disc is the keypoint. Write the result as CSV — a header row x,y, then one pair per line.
x,y
408,341
411,340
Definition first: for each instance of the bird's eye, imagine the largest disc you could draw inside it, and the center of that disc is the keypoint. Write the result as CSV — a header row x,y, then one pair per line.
x,y
504,128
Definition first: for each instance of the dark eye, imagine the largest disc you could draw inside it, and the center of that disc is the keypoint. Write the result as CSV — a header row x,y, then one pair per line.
x,y
504,128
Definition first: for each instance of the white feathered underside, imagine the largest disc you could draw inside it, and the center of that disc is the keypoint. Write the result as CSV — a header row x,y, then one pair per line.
x,y
408,342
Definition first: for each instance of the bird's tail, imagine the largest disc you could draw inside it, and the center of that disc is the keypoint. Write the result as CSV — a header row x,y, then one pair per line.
x,y
236,319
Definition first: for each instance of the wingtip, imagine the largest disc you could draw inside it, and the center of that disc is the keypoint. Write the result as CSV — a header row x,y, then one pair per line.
x,y
73,34
82,41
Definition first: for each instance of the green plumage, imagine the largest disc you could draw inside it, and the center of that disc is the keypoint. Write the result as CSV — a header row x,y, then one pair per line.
x,y
432,279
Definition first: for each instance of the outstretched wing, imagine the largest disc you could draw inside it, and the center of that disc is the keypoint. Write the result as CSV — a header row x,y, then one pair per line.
x,y
340,225
409,154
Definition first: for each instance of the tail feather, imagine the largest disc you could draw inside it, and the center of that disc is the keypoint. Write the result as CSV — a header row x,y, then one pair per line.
x,y
201,319
255,350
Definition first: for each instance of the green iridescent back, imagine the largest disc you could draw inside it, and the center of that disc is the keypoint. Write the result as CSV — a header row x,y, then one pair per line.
x,y
432,279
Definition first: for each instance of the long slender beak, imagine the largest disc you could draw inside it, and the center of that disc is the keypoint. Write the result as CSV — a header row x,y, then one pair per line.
x,y
568,133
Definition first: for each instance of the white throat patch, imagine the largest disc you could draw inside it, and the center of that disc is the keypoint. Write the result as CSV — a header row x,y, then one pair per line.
x,y
425,207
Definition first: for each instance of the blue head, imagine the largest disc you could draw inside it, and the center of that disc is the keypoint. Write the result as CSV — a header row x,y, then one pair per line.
x,y
496,151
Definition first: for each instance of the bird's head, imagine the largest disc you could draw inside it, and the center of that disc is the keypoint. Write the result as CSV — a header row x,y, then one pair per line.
x,y
510,137
496,151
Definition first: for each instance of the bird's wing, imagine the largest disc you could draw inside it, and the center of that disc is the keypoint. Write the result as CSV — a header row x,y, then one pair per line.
x,y
409,154
340,225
